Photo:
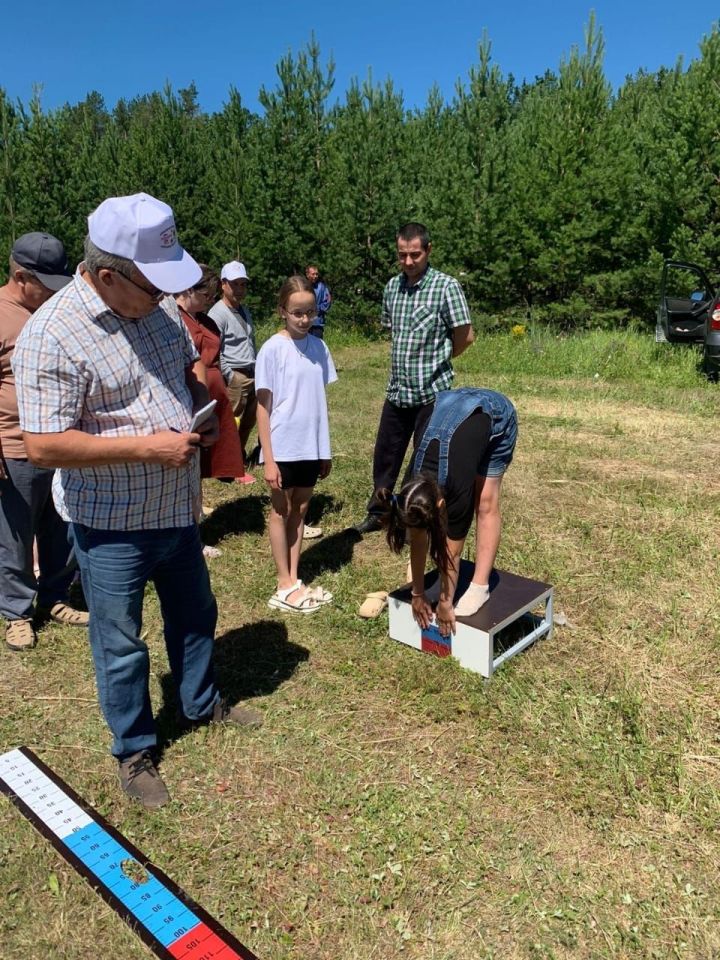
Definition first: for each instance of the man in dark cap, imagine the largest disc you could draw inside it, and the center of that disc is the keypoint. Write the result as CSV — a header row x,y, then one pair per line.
x,y
38,268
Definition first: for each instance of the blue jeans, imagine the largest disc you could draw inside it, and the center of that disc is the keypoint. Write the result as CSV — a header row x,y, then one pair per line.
x,y
26,512
115,566
453,407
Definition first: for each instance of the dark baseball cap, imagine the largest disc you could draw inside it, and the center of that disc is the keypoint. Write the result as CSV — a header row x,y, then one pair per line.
x,y
44,256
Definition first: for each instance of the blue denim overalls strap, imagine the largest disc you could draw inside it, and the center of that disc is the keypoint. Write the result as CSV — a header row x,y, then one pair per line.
x,y
453,407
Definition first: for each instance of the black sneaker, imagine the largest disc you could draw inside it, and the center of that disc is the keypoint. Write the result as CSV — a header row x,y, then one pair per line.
x,y
370,524
140,780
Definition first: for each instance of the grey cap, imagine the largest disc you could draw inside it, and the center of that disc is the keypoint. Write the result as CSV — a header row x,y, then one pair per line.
x,y
44,256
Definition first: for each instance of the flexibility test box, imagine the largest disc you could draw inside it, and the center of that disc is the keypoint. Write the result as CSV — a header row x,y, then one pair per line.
x,y
514,600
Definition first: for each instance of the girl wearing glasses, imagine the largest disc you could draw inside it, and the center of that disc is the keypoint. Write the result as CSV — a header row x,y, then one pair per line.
x,y
291,372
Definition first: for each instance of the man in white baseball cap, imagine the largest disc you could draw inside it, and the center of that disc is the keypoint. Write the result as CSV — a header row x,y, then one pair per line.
x,y
142,229
108,380
237,350
234,271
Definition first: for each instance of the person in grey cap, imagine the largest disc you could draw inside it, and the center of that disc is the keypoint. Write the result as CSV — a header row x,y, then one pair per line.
x,y
237,347
109,380
38,268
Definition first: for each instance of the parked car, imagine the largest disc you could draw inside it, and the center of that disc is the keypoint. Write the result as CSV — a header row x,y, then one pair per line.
x,y
689,311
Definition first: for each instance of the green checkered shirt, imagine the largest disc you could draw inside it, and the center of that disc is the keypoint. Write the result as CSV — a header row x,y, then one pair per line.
x,y
421,319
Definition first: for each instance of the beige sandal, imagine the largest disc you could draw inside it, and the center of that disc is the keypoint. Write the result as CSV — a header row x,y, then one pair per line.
x,y
62,613
311,533
20,634
373,605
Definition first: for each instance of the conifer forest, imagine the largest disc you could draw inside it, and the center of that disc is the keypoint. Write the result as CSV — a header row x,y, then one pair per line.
x,y
555,199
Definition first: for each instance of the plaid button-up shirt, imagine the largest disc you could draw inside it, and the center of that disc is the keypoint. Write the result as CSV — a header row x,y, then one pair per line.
x,y
79,366
421,318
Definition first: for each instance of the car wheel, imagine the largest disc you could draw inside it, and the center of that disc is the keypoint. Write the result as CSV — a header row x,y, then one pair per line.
x,y
710,369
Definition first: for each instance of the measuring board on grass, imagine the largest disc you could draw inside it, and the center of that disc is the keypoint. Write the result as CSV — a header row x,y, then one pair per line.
x,y
162,914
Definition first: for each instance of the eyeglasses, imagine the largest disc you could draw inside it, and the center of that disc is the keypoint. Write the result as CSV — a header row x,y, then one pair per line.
x,y
151,292
205,290
299,314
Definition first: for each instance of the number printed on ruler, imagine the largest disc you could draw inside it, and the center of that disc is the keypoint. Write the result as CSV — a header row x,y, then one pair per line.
x,y
154,906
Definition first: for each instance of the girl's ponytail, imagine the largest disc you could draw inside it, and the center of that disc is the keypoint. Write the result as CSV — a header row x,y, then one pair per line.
x,y
419,505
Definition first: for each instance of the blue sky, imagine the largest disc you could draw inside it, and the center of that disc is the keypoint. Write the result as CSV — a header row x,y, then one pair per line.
x,y
123,50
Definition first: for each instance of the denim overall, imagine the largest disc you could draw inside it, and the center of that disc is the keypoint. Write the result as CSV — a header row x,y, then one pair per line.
x,y
453,407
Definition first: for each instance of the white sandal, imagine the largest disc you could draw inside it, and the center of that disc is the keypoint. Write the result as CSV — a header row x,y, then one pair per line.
x,y
317,593
306,604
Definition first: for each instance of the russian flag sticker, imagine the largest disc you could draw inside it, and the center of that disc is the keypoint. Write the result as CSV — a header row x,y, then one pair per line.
x,y
432,641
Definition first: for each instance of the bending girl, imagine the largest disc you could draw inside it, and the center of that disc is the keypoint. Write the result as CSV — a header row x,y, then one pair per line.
x,y
456,474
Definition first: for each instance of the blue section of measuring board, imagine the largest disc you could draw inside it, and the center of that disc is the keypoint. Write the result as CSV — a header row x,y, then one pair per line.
x,y
166,917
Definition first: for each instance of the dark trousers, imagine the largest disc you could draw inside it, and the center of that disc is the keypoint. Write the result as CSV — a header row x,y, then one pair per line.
x,y
318,332
26,512
397,426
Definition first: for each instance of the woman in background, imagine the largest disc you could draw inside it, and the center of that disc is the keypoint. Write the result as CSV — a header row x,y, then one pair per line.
x,y
223,459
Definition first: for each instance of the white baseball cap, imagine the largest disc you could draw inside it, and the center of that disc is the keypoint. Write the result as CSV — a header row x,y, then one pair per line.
x,y
234,271
142,229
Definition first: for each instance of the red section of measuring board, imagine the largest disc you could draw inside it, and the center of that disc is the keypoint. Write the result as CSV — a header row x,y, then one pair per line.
x,y
432,641
161,914
201,942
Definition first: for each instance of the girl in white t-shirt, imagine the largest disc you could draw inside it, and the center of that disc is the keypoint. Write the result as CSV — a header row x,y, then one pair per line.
x,y
292,370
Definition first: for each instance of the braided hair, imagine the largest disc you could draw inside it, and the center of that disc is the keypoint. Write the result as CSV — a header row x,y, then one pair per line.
x,y
419,505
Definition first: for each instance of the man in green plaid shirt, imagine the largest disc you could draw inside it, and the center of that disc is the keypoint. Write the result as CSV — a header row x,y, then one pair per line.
x,y
430,324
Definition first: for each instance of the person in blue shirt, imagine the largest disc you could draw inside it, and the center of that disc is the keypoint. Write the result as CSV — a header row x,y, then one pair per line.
x,y
322,298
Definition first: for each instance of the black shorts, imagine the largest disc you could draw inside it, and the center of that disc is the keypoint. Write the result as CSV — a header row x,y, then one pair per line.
x,y
299,473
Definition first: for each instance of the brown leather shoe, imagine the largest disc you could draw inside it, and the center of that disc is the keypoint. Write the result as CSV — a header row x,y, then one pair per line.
x,y
20,634
140,780
243,716
223,713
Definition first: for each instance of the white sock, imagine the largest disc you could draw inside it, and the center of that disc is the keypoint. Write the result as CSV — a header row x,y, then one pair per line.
x,y
474,597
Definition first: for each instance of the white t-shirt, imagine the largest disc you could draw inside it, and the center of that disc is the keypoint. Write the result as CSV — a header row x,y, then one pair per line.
x,y
296,372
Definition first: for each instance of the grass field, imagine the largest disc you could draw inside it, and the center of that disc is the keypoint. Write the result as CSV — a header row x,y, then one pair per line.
x,y
394,805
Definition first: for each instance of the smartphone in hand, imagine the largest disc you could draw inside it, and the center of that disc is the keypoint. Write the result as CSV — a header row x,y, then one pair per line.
x,y
201,415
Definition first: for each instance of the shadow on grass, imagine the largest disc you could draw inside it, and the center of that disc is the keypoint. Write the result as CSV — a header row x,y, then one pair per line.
x,y
321,504
244,515
330,553
252,661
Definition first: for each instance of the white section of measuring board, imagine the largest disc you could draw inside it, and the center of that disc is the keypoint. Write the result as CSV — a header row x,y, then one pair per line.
x,y
46,800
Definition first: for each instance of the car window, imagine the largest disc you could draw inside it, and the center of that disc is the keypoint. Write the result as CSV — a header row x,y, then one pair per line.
x,y
682,283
